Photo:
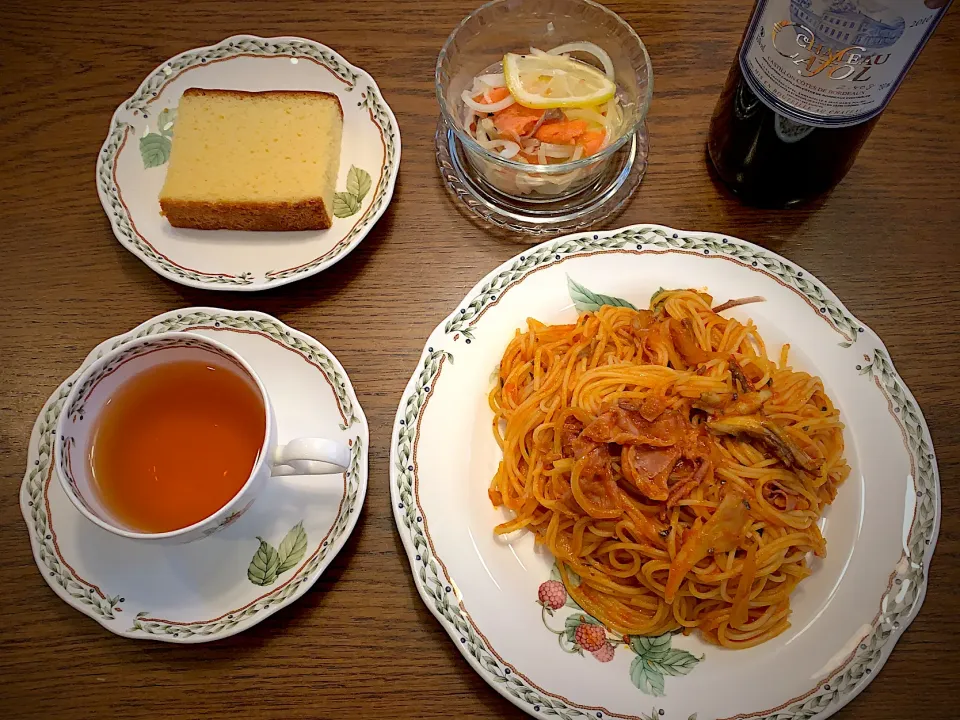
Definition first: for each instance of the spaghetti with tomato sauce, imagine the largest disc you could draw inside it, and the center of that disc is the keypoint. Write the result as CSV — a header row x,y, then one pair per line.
x,y
669,464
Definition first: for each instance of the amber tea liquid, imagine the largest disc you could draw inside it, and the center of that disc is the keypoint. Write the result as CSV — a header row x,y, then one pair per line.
x,y
175,443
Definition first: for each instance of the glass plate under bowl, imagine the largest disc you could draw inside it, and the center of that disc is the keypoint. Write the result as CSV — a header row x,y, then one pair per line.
x,y
599,200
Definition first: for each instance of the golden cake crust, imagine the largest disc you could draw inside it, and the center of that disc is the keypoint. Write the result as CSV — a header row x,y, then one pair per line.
x,y
309,214
212,92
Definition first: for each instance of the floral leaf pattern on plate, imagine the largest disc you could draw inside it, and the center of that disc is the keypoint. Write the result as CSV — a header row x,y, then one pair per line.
x,y
155,145
154,150
651,648
676,662
358,182
646,679
292,548
345,204
263,567
586,300
166,120
269,563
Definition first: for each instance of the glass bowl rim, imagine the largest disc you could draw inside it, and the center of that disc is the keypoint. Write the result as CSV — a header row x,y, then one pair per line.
x,y
556,168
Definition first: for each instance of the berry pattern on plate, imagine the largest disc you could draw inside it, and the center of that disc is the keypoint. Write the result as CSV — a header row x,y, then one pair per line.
x,y
653,660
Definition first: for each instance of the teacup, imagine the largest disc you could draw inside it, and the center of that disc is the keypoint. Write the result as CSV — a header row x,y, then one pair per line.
x,y
104,382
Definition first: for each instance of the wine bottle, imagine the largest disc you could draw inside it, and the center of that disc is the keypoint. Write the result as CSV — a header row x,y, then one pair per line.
x,y
809,83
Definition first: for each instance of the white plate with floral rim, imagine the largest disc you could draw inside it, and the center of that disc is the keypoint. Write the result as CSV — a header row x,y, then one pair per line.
x,y
847,615
132,165
203,591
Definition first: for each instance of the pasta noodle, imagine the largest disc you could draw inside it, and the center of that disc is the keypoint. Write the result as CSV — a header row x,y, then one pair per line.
x,y
674,471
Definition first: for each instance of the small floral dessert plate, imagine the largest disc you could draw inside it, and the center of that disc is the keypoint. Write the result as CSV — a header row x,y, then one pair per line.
x,y
131,166
501,601
266,558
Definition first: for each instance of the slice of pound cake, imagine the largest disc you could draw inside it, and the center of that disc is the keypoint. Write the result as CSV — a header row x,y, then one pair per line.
x,y
253,160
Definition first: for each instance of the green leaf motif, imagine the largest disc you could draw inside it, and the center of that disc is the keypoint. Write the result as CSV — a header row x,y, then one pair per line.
x,y
584,299
292,549
571,603
358,183
555,571
154,150
658,307
345,204
651,648
263,567
646,678
675,662
166,120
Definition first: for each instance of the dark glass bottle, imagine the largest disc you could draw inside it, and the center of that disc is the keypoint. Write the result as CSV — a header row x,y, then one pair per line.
x,y
810,81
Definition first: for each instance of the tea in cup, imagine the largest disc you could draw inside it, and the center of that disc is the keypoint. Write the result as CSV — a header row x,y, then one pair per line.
x,y
169,437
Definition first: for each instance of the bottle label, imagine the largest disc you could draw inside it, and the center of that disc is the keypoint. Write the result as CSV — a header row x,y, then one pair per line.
x,y
834,63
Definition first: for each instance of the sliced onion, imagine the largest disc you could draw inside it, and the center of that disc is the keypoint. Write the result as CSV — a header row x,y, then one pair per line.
x,y
476,89
562,182
612,121
486,107
505,148
524,183
542,154
487,124
537,52
589,48
509,148
468,116
492,80
553,150
614,114
589,114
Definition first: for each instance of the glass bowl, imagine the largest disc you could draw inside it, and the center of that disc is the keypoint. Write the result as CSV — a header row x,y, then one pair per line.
x,y
502,26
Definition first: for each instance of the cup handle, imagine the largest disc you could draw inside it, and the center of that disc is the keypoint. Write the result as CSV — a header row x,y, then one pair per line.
x,y
311,456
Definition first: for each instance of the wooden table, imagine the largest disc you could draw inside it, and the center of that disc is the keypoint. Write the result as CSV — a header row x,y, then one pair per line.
x,y
361,643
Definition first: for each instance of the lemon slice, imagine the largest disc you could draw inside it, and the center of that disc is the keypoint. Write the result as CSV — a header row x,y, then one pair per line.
x,y
555,81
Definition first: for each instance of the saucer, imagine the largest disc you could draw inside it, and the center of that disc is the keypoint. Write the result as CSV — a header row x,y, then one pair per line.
x,y
132,165
214,587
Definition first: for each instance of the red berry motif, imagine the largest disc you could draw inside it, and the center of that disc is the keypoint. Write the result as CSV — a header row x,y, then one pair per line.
x,y
590,637
552,594
604,654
